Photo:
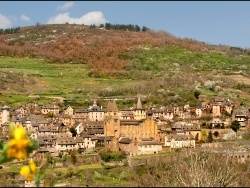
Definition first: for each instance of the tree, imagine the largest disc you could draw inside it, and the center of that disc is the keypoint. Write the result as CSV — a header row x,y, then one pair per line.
x,y
144,28
204,134
216,134
196,94
202,169
210,137
235,125
49,158
137,28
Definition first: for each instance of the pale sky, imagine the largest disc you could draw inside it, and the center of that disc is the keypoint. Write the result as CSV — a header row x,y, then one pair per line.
x,y
213,22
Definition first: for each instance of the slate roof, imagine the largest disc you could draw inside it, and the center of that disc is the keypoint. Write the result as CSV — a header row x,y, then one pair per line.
x,y
179,137
112,107
191,128
83,134
65,141
144,143
125,140
130,122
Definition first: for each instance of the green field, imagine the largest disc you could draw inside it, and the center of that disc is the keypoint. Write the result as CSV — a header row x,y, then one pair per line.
x,y
175,70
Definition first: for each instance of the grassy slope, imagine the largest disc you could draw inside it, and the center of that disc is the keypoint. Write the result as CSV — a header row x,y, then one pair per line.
x,y
173,69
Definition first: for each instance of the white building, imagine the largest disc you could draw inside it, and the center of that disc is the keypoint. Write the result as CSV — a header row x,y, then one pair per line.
x,y
179,141
4,114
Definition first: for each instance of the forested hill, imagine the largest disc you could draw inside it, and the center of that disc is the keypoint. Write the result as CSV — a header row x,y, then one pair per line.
x,y
166,62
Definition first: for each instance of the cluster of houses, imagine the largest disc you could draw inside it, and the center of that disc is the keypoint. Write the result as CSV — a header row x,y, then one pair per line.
x,y
134,130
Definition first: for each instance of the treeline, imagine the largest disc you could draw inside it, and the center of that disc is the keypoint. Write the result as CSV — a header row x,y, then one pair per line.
x,y
129,27
9,30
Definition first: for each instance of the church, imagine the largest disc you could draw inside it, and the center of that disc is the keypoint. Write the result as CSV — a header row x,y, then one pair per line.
x,y
135,129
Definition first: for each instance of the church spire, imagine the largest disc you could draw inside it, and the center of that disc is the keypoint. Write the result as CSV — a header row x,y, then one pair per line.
x,y
112,107
139,105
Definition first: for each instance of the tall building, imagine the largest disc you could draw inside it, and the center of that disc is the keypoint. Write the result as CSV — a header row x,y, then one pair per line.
x,y
135,129
4,114
139,111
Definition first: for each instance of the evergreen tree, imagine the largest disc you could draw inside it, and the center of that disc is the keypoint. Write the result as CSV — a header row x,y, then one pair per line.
x,y
235,125
210,137
137,28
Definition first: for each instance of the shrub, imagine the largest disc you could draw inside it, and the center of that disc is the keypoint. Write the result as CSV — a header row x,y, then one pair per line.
x,y
112,156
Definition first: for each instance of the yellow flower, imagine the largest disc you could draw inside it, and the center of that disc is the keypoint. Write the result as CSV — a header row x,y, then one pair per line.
x,y
18,145
29,171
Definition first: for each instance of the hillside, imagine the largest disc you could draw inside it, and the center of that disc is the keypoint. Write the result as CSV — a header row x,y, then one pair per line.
x,y
79,63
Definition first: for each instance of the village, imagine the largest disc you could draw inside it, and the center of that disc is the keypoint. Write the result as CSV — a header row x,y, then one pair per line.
x,y
133,130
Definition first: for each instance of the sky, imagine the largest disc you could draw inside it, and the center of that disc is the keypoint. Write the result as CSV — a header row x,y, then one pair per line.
x,y
213,22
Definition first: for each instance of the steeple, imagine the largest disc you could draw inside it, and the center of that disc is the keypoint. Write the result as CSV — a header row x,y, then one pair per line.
x,y
139,105
112,107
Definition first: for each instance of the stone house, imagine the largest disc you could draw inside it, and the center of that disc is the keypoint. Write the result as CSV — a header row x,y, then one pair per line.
x,y
155,113
193,130
177,126
168,114
227,107
31,105
68,111
54,109
47,141
242,116
84,142
127,113
87,141
95,113
18,121
198,111
125,144
216,110
47,130
219,100
148,146
81,113
93,128
65,144
20,111
179,141
216,123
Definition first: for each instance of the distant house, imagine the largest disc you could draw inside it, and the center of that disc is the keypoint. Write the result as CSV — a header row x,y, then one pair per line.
x,y
216,123
80,115
84,142
177,126
20,111
31,105
149,146
179,141
155,113
193,130
216,110
54,109
168,114
95,113
242,116
93,128
181,128
65,144
127,113
68,111
198,111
